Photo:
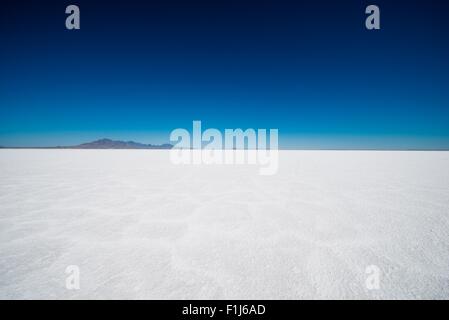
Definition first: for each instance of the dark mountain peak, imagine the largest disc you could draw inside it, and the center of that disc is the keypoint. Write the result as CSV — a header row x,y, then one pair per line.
x,y
117,144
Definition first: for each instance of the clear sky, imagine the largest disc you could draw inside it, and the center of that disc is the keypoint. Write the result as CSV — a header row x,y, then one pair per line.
x,y
138,69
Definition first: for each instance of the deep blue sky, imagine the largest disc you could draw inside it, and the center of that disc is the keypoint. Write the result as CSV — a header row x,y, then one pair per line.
x,y
138,69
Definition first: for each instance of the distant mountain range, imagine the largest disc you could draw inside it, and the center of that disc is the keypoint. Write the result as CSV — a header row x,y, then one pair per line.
x,y
104,144
117,144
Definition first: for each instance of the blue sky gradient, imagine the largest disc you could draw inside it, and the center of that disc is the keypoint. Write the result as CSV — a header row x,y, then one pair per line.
x,y
138,69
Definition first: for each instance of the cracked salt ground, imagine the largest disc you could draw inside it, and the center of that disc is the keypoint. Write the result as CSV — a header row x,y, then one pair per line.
x,y
140,227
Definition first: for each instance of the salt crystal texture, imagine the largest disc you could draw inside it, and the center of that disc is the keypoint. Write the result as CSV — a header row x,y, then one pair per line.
x,y
140,227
